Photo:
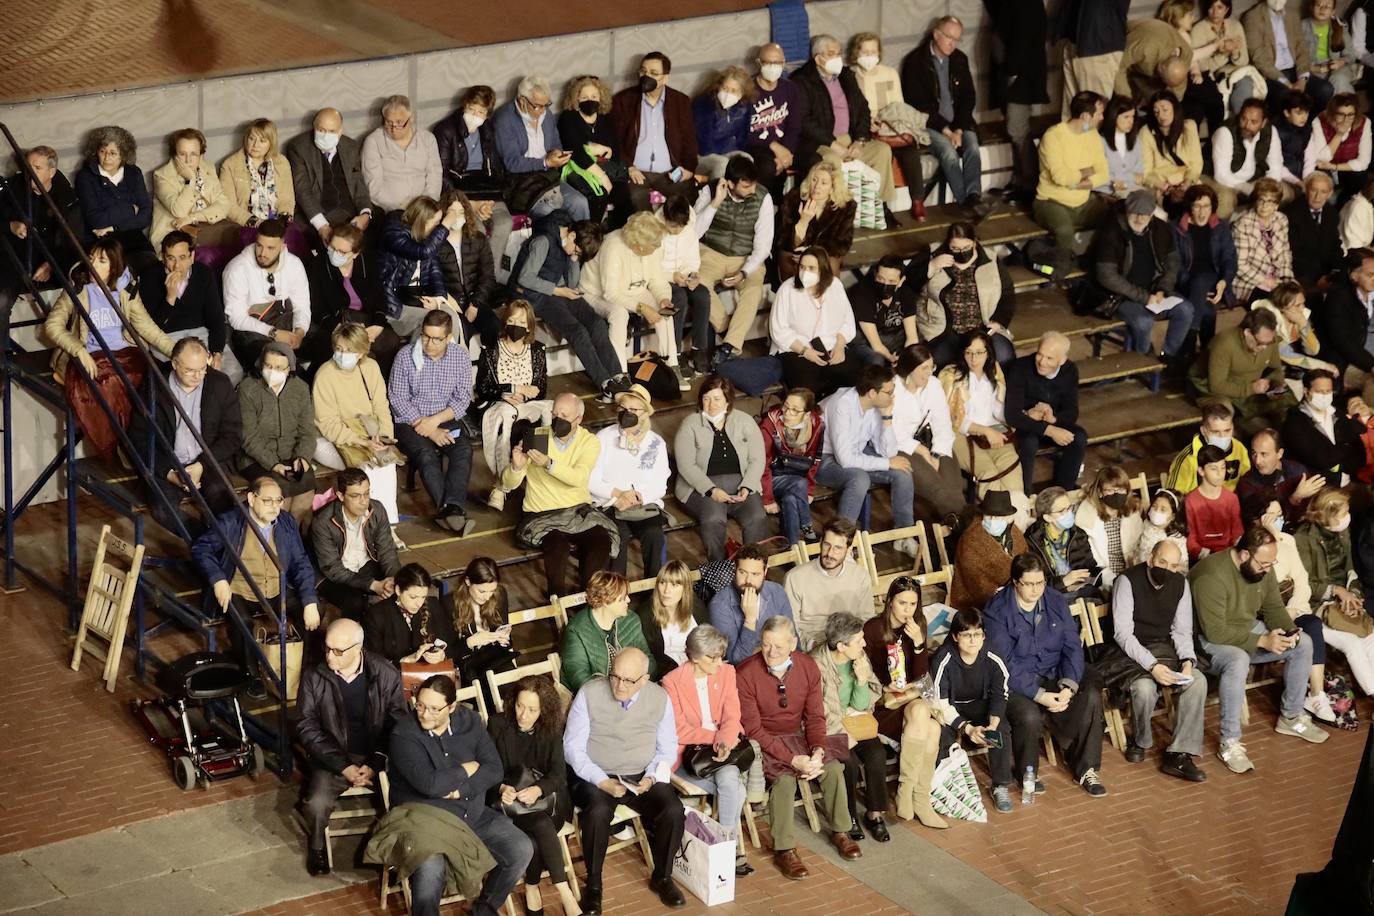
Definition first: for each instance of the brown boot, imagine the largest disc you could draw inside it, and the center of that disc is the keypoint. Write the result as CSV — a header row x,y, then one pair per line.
x,y
920,787
908,767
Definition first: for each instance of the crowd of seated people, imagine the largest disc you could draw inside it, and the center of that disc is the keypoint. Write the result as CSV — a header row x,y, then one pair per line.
x,y
341,307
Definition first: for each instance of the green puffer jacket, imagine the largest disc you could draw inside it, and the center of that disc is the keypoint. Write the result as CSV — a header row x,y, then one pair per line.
x,y
585,653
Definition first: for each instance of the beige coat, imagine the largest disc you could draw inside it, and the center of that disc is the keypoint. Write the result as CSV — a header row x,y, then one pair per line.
x,y
1160,167
66,329
1204,34
341,396
1259,38
174,197
1149,43
830,688
233,176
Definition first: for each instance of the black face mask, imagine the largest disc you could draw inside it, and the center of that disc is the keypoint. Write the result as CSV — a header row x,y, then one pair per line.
x,y
647,84
1250,574
888,290
1115,501
589,107
627,420
515,332
1161,578
964,258
561,427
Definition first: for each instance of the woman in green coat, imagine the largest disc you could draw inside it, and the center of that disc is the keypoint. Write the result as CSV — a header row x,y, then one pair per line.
x,y
599,631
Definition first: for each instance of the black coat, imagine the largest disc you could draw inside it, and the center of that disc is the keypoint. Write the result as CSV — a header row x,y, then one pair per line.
x,y
1026,388
471,279
921,89
818,123
386,633
1342,326
1303,441
1113,254
221,423
538,751
1080,553
329,299
327,537
201,305
1316,248
1019,72
44,225
321,723
488,175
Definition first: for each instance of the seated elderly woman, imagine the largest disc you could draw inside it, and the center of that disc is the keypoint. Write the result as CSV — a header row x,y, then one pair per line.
x,y
1332,53
810,325
1264,256
409,269
1064,548
114,198
722,115
588,134
713,753
1120,132
1337,595
882,87
344,287
817,212
279,434
257,183
354,417
630,480
187,195
626,278
966,290
68,331
512,384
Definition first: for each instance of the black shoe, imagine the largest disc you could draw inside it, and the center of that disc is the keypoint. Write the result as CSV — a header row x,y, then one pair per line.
x,y
1134,754
856,833
317,862
877,828
742,868
809,534
257,690
591,901
724,353
980,206
669,894
618,384
1182,766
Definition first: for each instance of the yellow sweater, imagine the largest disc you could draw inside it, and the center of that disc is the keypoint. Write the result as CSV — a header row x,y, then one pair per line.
x,y
564,484
1162,167
1064,151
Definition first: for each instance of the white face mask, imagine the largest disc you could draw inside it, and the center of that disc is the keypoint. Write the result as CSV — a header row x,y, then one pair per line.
x,y
868,61
715,418
1321,401
345,360
337,258
459,223
326,141
809,278
771,72
1159,518
274,378
727,99
1343,524
833,66
473,121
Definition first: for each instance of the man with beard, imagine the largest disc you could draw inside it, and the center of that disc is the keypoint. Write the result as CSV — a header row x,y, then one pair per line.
x,y
1244,150
832,583
1242,621
266,295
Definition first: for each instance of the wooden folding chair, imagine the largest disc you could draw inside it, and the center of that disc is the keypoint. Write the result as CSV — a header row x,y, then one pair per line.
x,y
1116,725
697,797
869,541
498,679
109,597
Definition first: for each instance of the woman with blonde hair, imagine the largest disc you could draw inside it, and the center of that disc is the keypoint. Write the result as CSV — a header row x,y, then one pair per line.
x,y
354,417
627,278
671,610
1338,597
409,268
722,114
587,132
257,180
819,211
1110,516
186,192
512,385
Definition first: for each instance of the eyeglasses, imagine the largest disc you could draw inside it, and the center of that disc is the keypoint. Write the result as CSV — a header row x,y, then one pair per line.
x,y
782,695
270,500
340,653
189,370
616,679
396,125
533,104
982,352
953,39
271,284
430,338
432,710
971,635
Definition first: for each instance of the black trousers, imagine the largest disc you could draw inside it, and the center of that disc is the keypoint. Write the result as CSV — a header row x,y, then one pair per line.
x,y
870,757
593,549
660,808
999,758
653,540
1068,459
171,514
1078,729
823,381
351,601
769,176
319,798
241,647
542,829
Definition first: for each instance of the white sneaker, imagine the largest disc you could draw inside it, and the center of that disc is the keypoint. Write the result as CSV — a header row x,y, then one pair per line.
x,y
1300,726
1319,706
1233,754
626,832
396,539
497,499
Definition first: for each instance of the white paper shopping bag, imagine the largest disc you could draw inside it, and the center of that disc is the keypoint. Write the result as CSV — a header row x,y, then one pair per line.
x,y
705,862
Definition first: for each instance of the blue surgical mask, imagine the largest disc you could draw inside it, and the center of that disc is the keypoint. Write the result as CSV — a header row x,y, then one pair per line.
x,y
337,258
1221,442
345,360
1278,524
996,526
326,140
1065,520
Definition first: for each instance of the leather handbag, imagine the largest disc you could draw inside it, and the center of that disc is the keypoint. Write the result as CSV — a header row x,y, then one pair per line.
x,y
524,778
701,762
861,726
413,674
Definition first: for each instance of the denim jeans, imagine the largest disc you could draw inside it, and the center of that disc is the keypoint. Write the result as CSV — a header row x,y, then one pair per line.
x,y
1231,664
446,486
584,330
727,785
789,490
574,204
695,303
961,168
854,483
1140,324
508,845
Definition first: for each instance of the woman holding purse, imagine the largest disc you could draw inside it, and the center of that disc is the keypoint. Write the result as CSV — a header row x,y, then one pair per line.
x,y
851,692
707,716
533,793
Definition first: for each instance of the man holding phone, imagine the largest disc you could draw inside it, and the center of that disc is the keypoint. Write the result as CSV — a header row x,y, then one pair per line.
x,y
1152,622
1243,369
1243,622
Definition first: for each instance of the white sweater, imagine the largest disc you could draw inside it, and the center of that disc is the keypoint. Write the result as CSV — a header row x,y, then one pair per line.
x,y
246,286
1357,223
796,317
928,405
616,468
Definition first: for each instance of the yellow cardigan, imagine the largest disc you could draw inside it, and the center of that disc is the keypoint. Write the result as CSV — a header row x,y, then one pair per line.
x,y
233,175
67,331
341,396
565,484
1064,150
1159,167
174,196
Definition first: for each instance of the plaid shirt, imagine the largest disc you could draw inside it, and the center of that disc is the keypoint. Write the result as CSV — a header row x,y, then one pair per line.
x,y
1257,258
423,392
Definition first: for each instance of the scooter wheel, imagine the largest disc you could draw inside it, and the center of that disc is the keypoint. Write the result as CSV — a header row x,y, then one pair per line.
x,y
184,773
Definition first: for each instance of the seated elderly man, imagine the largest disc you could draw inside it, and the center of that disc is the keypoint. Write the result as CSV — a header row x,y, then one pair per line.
x,y
626,278
1152,626
621,744
1242,621
400,159
558,516
1029,627
26,213
782,709
443,757
1314,232
740,611
429,392
655,132
832,583
1042,407
526,136
1073,161
266,294
1244,370
182,295
352,686
353,545
223,564
208,399
327,176
775,120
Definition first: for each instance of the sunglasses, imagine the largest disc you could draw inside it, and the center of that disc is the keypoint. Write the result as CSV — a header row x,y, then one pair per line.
x,y
782,695
272,284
